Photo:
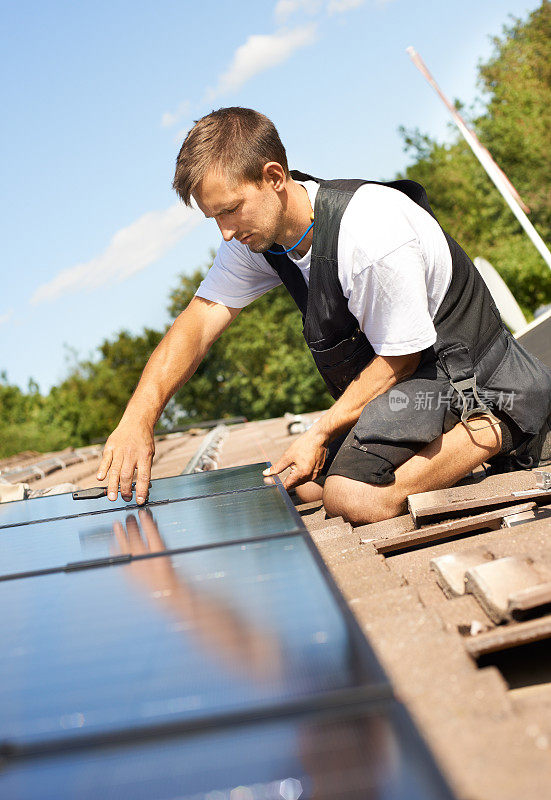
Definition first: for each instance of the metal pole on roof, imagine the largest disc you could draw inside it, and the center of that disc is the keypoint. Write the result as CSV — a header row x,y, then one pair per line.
x,y
498,177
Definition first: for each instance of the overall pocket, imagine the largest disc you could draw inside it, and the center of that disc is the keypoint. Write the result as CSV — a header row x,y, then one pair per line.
x,y
340,364
415,411
520,387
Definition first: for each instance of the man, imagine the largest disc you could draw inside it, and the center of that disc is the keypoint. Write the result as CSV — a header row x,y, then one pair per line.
x,y
388,300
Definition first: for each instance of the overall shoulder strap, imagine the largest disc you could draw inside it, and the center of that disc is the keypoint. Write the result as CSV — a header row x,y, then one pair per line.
x,y
328,317
414,191
331,201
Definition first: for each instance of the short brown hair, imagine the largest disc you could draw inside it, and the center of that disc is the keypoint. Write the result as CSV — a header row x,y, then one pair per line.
x,y
237,140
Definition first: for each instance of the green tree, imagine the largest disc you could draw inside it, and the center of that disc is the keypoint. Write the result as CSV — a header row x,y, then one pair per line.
x,y
516,127
24,421
91,400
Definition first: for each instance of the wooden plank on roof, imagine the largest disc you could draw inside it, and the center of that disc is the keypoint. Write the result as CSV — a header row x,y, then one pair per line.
x,y
505,638
491,520
423,508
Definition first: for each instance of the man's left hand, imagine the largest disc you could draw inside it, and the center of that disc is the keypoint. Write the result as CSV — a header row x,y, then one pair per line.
x,y
305,457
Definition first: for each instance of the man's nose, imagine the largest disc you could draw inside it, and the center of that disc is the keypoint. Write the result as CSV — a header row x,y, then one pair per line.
x,y
227,232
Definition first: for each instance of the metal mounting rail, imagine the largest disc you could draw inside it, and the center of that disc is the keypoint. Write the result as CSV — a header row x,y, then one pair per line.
x,y
206,456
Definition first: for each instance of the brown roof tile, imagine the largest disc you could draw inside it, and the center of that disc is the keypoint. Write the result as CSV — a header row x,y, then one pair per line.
x,y
493,582
450,569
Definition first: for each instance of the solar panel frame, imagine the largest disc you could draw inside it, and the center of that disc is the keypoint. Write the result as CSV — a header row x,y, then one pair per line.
x,y
80,508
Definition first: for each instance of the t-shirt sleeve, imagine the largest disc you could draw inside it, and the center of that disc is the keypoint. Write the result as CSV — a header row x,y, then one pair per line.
x,y
389,300
237,277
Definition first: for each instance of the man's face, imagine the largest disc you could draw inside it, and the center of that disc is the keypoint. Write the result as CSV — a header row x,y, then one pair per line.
x,y
249,213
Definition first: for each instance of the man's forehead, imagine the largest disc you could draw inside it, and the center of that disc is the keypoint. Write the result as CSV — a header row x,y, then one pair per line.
x,y
216,192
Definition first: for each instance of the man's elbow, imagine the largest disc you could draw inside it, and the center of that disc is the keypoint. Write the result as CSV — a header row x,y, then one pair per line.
x,y
403,367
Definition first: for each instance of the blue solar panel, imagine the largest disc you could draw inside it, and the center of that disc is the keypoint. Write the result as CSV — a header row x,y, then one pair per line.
x,y
204,522
374,755
173,638
229,669
200,484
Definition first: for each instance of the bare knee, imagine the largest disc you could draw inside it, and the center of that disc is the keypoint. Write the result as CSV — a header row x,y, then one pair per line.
x,y
485,434
309,492
360,503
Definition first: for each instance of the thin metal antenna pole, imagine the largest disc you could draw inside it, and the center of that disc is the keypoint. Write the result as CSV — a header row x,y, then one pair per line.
x,y
498,177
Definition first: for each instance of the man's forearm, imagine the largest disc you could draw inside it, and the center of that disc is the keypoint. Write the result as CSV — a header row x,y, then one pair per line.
x,y
380,375
176,358
307,454
171,364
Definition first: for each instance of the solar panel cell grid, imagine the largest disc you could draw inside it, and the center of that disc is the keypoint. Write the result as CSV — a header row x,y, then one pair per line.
x,y
194,646
154,529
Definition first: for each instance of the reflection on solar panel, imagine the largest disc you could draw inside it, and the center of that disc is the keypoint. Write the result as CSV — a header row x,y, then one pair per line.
x,y
370,754
173,638
54,545
208,668
200,484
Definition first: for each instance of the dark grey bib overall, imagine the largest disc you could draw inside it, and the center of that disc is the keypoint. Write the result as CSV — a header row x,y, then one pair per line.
x,y
475,362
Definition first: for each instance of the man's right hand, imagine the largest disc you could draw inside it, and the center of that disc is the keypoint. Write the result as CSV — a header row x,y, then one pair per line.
x,y
130,446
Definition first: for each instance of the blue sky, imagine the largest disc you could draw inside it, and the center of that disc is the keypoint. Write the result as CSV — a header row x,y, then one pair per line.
x,y
97,97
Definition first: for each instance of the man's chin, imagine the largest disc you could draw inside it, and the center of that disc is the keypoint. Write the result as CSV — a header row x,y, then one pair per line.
x,y
259,248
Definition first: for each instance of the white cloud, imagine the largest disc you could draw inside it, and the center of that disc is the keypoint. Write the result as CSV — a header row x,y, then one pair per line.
x,y
4,318
285,8
339,6
261,52
170,118
131,250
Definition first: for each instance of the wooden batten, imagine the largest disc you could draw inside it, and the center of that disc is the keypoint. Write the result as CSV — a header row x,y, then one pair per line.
x,y
491,520
427,507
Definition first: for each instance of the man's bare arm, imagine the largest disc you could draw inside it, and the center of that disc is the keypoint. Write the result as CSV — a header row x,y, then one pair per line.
x,y
172,363
307,454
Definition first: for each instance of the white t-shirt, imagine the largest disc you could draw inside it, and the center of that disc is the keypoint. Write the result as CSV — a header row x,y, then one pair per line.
x,y
394,266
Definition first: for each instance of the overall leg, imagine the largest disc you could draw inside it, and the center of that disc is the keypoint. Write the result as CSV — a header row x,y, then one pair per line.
x,y
309,492
438,465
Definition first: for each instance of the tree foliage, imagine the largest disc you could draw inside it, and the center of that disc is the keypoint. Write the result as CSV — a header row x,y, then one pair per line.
x,y
87,405
516,128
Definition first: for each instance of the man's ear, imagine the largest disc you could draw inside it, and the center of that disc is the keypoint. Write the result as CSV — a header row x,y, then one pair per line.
x,y
274,173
